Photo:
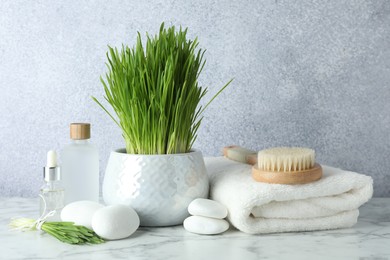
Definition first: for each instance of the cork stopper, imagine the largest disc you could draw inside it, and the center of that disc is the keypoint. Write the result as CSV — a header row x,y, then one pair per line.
x,y
80,131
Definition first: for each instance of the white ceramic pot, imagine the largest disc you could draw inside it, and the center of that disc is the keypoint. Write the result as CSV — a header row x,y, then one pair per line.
x,y
158,187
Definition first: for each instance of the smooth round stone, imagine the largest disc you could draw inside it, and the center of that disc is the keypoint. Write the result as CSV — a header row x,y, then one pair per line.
x,y
80,212
205,226
115,222
207,208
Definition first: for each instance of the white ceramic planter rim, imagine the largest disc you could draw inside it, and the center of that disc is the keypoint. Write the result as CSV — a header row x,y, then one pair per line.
x,y
122,151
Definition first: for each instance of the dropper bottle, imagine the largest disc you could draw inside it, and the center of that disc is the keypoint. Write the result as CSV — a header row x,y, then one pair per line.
x,y
52,192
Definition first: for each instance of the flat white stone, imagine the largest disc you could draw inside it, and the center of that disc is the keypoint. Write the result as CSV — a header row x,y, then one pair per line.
x,y
80,212
207,208
205,226
115,222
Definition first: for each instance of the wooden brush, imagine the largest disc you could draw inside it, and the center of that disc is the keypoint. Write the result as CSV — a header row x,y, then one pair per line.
x,y
282,165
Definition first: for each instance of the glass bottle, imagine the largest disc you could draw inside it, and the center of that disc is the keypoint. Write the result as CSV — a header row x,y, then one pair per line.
x,y
52,192
80,165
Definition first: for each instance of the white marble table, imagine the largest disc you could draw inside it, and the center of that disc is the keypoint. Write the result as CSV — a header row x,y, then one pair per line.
x,y
368,239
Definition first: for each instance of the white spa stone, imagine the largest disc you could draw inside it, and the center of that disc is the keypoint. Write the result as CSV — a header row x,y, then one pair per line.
x,y
207,208
205,226
115,222
80,212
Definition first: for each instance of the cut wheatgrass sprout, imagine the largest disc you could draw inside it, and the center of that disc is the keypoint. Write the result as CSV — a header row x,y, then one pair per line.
x,y
66,232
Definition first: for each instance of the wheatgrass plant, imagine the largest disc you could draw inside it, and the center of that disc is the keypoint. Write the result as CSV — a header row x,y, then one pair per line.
x,y
155,92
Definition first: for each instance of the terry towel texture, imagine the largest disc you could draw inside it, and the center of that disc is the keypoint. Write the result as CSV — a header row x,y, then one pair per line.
x,y
254,207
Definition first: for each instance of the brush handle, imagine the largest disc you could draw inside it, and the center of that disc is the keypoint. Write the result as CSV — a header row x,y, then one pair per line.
x,y
240,154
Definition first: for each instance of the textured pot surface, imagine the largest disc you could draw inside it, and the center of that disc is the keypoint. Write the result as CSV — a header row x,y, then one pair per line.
x,y
158,187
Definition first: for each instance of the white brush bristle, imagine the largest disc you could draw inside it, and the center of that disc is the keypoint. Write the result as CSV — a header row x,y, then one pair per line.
x,y
286,159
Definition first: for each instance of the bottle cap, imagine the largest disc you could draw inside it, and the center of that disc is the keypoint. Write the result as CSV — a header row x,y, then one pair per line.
x,y
51,172
80,131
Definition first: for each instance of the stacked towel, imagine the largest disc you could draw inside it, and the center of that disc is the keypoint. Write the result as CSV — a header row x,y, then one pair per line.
x,y
255,207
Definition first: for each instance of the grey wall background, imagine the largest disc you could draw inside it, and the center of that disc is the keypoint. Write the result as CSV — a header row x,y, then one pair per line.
x,y
308,73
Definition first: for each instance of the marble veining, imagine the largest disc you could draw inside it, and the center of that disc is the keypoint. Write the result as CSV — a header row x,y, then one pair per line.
x,y
368,239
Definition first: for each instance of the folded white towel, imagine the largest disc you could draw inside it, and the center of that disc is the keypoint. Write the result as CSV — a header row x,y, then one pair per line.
x,y
254,207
